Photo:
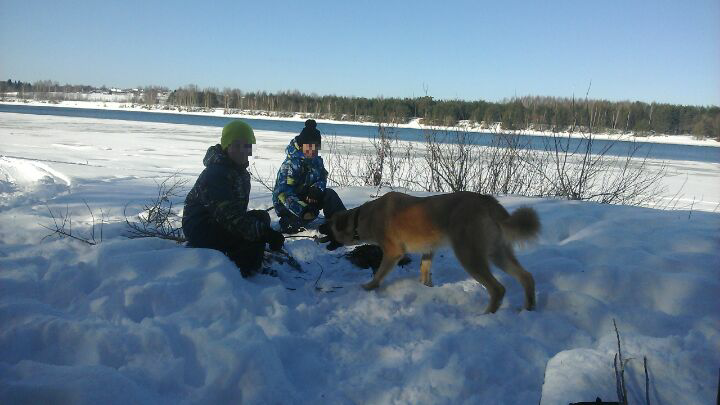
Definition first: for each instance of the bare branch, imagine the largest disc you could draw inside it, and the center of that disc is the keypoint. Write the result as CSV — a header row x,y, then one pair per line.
x,y
265,181
64,229
158,218
620,374
572,168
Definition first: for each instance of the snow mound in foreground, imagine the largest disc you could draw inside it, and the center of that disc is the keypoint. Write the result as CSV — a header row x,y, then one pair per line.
x,y
28,180
152,322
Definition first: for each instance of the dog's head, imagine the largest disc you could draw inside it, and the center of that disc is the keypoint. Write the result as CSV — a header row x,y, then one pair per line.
x,y
342,227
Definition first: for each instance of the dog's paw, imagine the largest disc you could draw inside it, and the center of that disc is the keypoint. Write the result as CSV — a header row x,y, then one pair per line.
x,y
369,286
426,283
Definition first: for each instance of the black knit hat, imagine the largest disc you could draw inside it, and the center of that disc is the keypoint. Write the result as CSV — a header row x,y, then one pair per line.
x,y
309,134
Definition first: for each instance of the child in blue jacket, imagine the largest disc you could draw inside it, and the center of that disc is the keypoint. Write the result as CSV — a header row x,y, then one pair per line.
x,y
300,188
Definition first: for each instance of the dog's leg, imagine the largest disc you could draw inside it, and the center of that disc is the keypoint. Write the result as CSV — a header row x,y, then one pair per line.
x,y
505,259
425,275
391,256
475,263
481,273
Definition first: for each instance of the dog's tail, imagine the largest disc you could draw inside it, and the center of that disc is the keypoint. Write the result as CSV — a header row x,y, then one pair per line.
x,y
522,226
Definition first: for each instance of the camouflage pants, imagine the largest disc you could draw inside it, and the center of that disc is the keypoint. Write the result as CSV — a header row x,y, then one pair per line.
x,y
330,204
246,255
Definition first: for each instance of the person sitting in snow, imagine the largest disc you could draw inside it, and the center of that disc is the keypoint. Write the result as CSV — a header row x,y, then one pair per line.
x,y
300,191
216,215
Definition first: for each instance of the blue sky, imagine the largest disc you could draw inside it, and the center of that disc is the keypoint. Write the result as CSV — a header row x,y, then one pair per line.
x,y
665,51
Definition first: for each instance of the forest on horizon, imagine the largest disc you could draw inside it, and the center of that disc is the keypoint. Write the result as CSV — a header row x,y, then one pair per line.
x,y
518,113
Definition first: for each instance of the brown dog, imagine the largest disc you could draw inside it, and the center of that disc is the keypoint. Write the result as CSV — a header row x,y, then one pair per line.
x,y
476,226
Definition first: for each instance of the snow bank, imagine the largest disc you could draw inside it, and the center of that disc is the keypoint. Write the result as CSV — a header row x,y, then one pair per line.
x,y
158,323
26,180
151,322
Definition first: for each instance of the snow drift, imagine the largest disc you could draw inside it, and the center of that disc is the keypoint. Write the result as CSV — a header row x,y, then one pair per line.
x,y
150,321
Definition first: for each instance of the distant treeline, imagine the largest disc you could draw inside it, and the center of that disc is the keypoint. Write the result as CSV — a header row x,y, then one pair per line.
x,y
45,86
538,113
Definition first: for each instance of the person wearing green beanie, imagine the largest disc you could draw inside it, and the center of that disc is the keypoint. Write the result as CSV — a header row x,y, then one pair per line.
x,y
216,215
237,130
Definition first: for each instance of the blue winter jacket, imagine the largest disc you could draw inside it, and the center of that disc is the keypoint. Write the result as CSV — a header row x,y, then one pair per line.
x,y
295,177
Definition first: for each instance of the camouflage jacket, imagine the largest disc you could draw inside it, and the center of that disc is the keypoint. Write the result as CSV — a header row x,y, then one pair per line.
x,y
221,195
295,176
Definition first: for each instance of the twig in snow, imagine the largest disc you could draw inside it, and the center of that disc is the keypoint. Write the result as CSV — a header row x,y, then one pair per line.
x,y
322,289
620,374
64,228
647,382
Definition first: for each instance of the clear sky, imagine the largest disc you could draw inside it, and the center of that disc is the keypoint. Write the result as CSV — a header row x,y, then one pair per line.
x,y
664,51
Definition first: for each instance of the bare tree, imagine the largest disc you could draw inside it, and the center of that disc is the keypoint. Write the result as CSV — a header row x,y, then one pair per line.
x,y
158,218
449,159
506,167
150,95
581,169
342,161
563,166
386,162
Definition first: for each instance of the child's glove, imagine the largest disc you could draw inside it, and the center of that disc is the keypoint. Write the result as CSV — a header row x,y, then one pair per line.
x,y
310,213
262,224
260,215
316,195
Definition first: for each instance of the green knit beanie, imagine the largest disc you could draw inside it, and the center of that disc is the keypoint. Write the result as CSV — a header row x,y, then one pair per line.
x,y
236,130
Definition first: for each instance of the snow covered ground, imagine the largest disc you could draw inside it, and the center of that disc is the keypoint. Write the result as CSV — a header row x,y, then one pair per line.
x,y
149,321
